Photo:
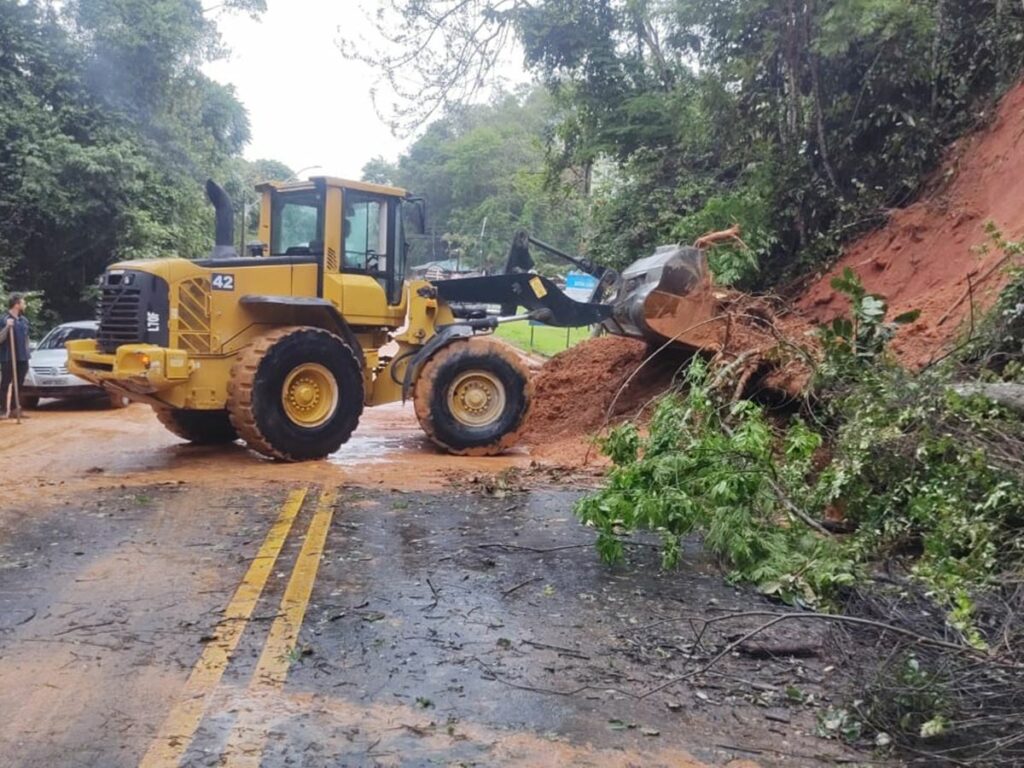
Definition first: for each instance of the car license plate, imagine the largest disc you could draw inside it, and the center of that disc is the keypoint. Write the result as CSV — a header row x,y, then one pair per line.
x,y
51,382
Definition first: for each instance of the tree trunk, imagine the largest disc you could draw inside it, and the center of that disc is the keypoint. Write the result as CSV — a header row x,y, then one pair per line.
x,y
1008,395
819,113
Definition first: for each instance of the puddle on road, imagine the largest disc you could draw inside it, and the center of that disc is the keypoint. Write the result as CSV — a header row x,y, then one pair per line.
x,y
378,449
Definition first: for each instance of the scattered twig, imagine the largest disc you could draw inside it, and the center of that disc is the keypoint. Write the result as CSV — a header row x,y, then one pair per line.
x,y
519,586
436,595
798,651
80,627
539,550
735,748
558,648
535,689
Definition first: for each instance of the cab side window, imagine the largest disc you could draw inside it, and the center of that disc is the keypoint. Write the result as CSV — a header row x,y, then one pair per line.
x,y
366,233
296,224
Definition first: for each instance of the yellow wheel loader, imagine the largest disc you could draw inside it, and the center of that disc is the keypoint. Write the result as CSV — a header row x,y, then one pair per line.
x,y
284,346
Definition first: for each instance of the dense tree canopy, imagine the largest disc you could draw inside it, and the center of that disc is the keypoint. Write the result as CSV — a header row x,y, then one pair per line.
x,y
802,120
482,172
107,128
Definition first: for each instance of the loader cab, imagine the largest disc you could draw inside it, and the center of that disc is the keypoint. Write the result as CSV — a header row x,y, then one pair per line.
x,y
354,231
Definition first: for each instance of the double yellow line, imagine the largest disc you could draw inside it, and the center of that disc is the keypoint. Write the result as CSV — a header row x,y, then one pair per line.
x,y
179,727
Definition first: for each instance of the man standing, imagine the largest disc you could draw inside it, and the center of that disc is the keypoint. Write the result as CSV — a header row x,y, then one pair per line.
x,y
13,323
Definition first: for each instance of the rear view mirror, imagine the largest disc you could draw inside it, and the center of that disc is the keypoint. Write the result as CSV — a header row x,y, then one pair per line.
x,y
414,210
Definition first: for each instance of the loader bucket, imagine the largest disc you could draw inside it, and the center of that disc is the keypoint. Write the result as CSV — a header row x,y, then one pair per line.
x,y
665,297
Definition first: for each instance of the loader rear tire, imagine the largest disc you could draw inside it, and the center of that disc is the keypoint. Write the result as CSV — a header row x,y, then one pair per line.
x,y
198,427
296,393
472,397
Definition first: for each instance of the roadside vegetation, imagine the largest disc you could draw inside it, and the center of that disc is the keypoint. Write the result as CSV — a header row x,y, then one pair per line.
x,y
889,495
108,128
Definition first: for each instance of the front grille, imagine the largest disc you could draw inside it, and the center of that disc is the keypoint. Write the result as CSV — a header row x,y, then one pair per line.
x,y
40,370
132,310
121,318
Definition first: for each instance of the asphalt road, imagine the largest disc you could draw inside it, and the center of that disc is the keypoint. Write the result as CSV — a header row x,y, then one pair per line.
x,y
162,605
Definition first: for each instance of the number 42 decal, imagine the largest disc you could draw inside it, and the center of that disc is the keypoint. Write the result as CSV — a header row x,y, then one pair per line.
x,y
222,282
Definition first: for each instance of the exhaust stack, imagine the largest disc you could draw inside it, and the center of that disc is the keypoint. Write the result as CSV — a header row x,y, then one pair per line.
x,y
224,243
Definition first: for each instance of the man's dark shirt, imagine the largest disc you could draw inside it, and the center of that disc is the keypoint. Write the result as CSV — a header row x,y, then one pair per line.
x,y
20,330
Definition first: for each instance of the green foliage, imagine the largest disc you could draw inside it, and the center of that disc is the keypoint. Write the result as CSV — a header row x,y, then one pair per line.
x,y
922,474
997,349
800,125
710,468
733,264
481,171
853,343
108,129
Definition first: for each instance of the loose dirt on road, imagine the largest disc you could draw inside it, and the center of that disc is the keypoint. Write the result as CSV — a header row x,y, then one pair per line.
x,y
63,450
165,605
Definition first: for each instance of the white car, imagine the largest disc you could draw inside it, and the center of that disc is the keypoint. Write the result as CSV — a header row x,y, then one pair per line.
x,y
48,369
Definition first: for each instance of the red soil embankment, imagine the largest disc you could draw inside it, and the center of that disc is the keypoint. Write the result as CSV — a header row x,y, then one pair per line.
x,y
926,256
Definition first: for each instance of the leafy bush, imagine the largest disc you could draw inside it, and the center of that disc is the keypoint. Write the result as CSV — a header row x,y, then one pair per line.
x,y
997,350
715,469
925,476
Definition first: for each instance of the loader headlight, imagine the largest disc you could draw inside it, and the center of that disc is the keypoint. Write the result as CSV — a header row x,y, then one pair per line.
x,y
144,359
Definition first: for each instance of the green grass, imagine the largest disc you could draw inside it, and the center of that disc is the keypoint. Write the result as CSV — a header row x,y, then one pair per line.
x,y
546,341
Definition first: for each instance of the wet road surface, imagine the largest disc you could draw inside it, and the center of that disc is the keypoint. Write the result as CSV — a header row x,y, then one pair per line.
x,y
360,612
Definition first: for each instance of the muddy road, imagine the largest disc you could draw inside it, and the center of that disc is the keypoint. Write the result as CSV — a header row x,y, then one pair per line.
x,y
164,605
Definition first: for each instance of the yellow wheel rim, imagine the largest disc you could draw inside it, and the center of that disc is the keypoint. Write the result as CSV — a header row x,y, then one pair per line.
x,y
476,398
309,395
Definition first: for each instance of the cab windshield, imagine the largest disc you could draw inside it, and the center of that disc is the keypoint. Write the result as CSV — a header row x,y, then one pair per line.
x,y
296,224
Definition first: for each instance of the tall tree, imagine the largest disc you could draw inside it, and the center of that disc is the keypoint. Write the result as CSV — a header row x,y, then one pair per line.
x,y
108,127
482,172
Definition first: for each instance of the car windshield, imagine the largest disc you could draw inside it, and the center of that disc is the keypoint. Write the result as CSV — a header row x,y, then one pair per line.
x,y
62,334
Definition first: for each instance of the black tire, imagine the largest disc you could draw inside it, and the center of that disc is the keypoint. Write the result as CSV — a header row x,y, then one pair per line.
x,y
256,393
435,391
198,427
29,402
117,401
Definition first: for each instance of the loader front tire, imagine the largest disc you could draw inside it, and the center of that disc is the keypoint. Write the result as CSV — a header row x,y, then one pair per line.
x,y
198,427
296,393
472,397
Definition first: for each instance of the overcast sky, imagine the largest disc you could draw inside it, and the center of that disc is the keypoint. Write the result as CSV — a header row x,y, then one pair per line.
x,y
307,104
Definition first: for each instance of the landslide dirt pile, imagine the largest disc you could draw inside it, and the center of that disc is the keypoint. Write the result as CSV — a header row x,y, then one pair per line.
x,y
574,390
752,342
925,257
593,385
